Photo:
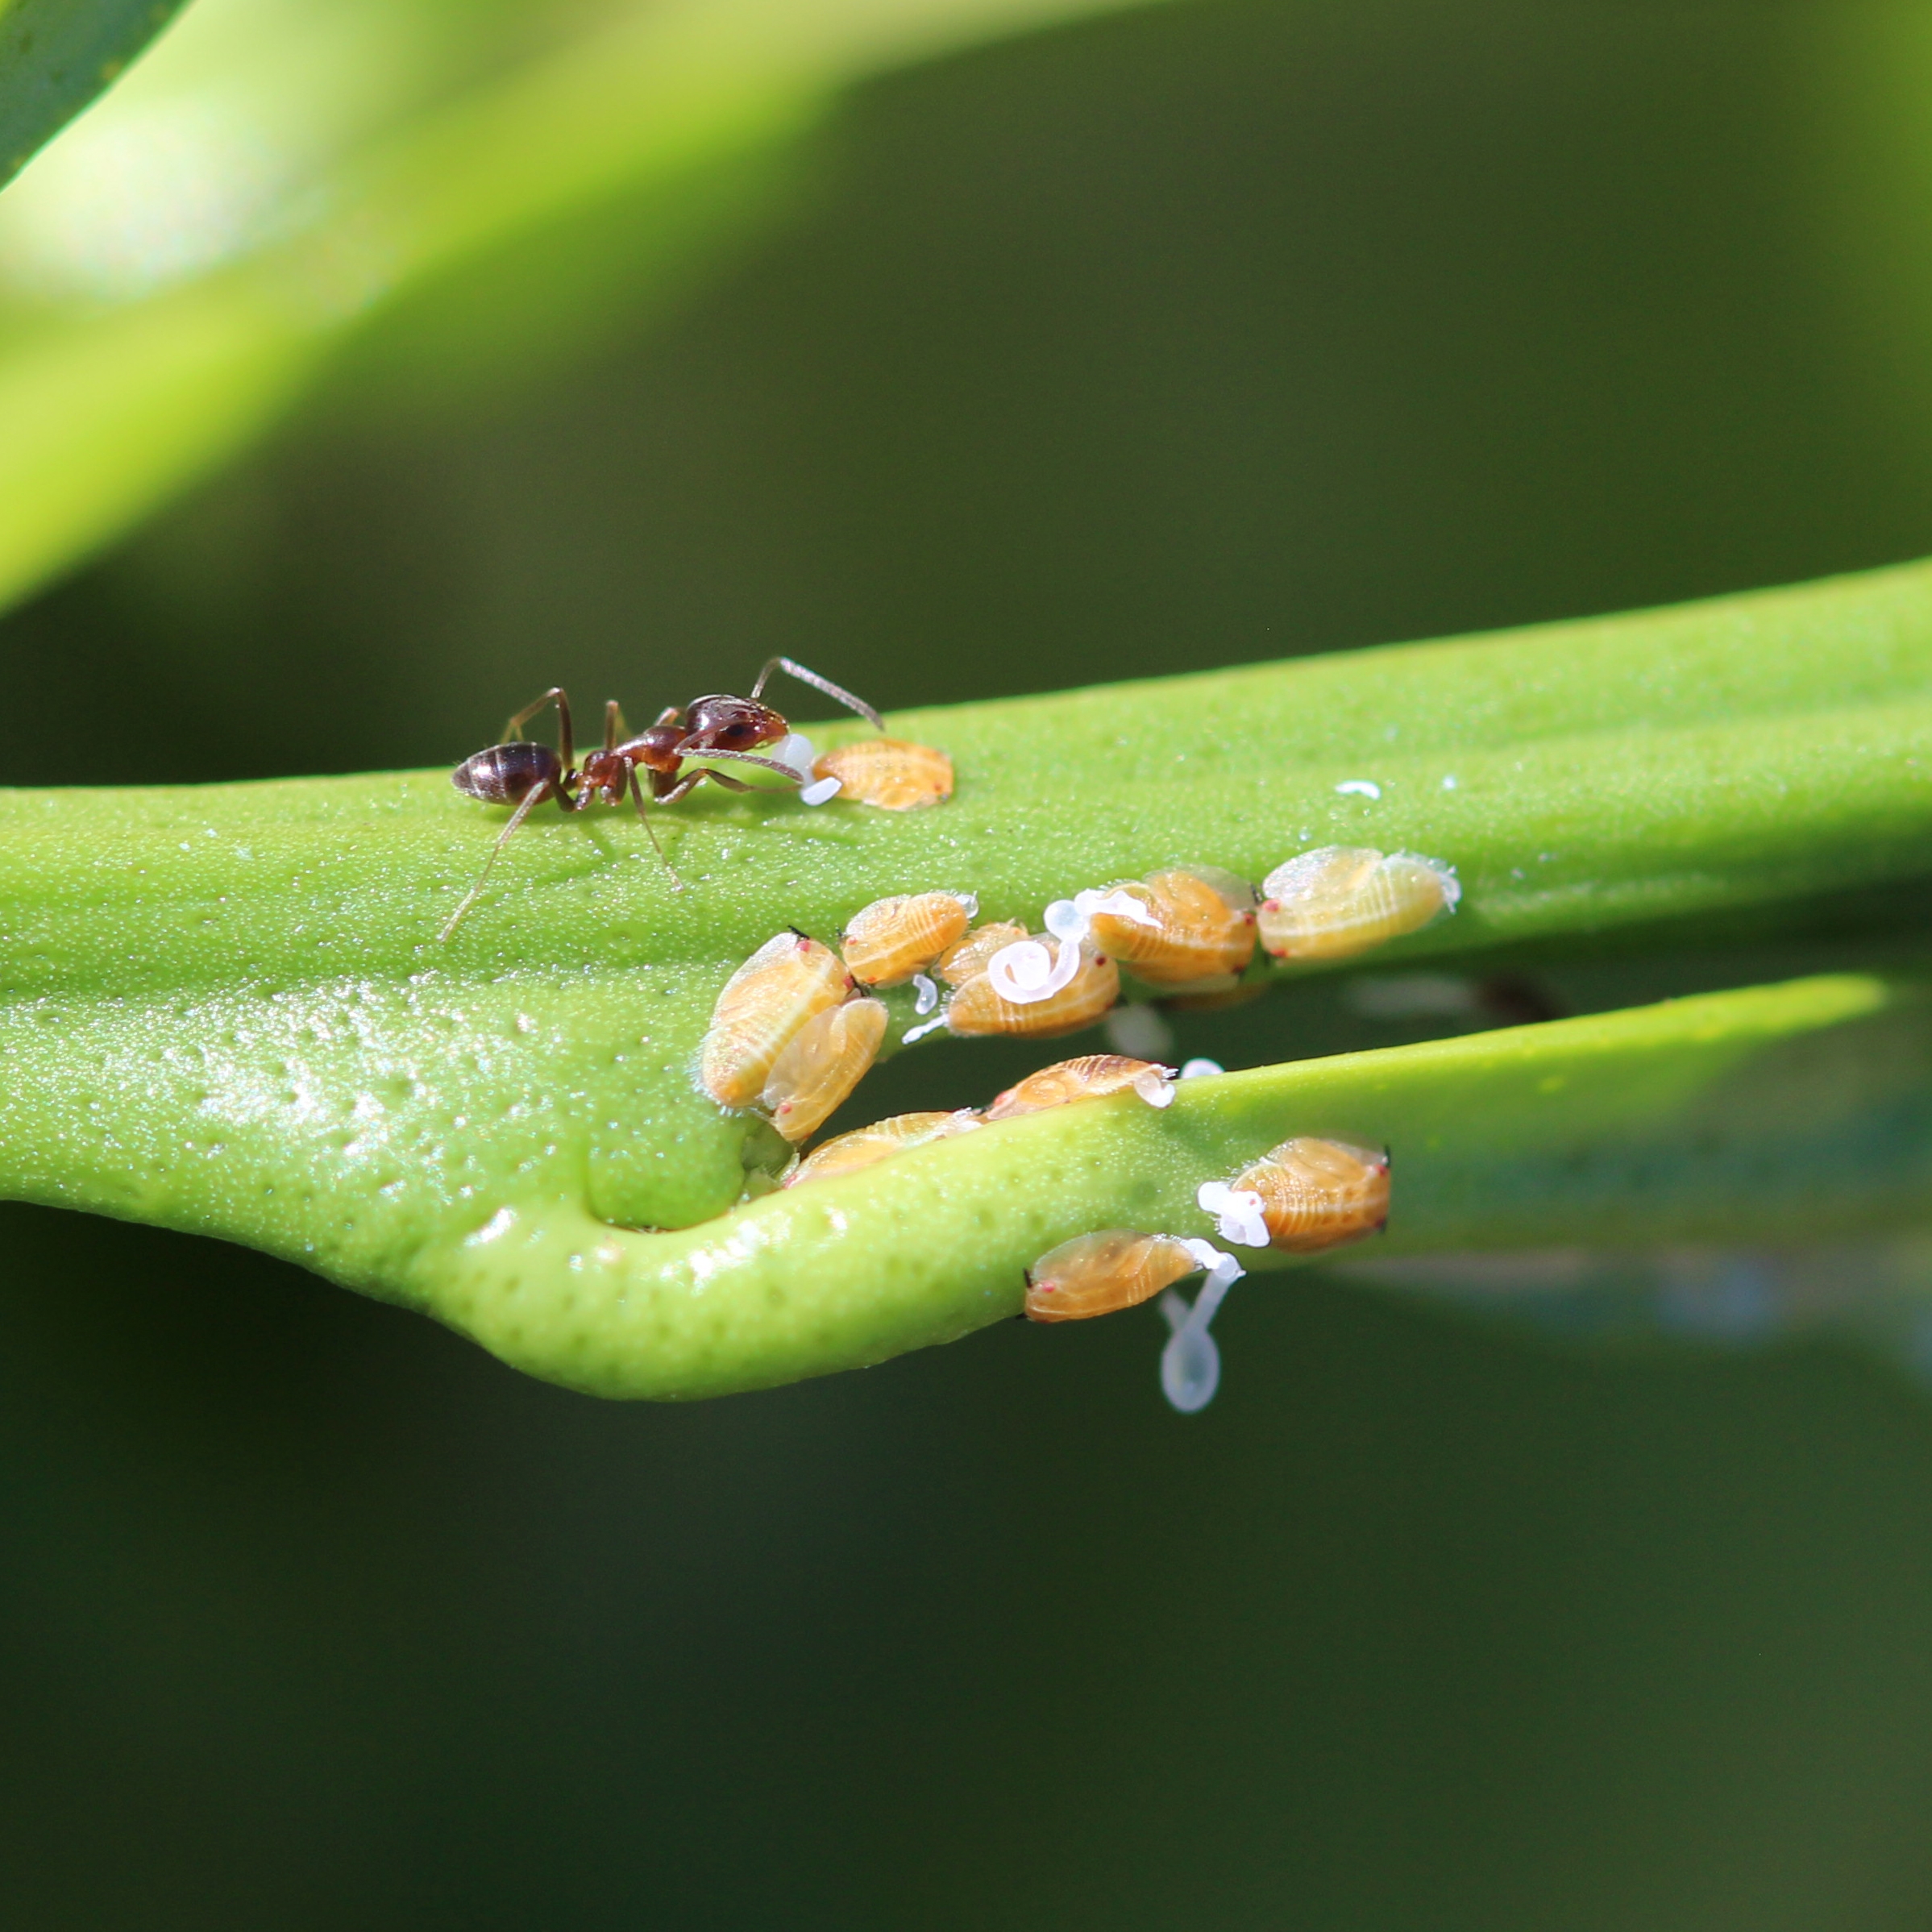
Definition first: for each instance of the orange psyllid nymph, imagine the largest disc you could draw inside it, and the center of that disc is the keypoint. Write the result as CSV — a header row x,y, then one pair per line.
x,y
891,773
977,1008
826,1059
1194,925
1092,1077
1339,900
894,938
864,1146
1319,1194
1101,1273
788,981
967,960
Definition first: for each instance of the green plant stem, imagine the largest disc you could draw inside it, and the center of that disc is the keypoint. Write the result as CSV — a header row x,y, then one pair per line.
x,y
224,1007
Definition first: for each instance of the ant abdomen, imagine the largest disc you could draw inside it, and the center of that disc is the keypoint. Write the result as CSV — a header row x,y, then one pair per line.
x,y
506,774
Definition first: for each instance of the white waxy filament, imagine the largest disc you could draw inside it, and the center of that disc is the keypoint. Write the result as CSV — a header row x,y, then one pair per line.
x,y
793,751
1238,1216
1025,972
1115,904
1155,1086
1190,1363
1066,921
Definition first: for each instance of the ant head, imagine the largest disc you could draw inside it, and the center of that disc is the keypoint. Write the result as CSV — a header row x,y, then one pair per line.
x,y
506,774
730,724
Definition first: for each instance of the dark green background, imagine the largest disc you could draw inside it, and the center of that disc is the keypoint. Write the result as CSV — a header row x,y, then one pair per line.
x,y
1213,333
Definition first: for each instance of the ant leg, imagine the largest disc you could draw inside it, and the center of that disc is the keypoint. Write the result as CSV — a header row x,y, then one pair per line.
x,y
636,791
527,804
792,668
514,728
683,788
689,783
614,727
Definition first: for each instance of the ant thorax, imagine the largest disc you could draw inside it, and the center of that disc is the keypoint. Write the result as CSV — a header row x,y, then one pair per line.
x,y
657,749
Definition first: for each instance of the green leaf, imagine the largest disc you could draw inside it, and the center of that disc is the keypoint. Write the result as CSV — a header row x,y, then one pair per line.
x,y
226,1009
55,55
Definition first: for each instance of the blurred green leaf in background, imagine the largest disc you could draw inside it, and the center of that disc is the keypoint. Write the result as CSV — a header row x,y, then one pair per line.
x,y
1202,334
55,55
183,263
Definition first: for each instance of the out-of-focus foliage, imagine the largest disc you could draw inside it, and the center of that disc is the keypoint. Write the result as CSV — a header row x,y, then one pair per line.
x,y
55,55
172,272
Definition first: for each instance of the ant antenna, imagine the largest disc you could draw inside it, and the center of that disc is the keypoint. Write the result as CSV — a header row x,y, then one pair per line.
x,y
792,669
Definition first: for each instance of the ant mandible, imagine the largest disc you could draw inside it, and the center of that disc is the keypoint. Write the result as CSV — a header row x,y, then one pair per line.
x,y
717,727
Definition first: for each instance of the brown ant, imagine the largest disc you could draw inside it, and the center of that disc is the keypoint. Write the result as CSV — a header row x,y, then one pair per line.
x,y
720,726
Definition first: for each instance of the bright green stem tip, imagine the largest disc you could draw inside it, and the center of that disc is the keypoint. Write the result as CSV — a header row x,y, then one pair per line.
x,y
225,1009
